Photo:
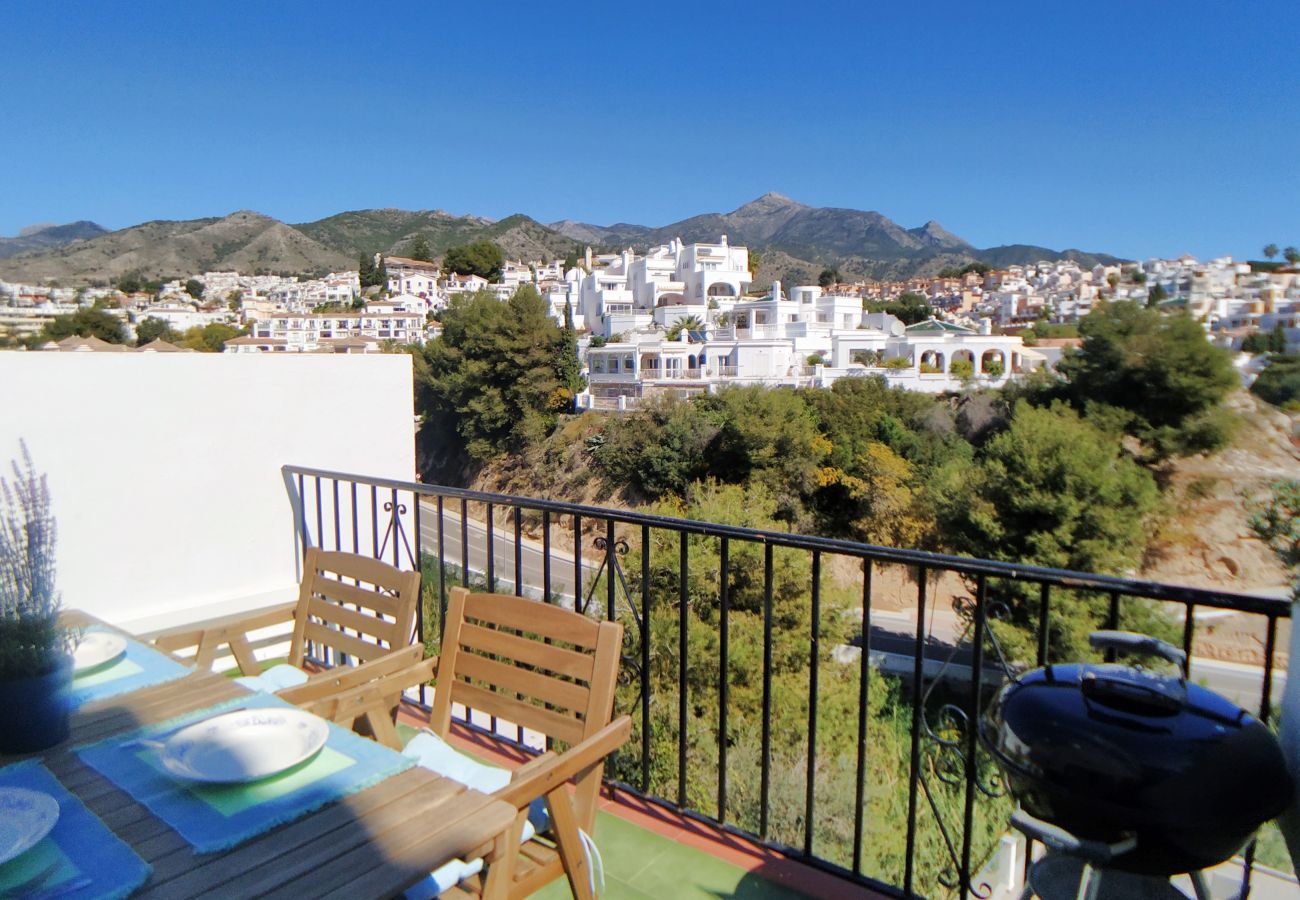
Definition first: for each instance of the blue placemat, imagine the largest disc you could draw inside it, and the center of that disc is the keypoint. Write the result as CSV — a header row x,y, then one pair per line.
x,y
142,666
80,859
218,817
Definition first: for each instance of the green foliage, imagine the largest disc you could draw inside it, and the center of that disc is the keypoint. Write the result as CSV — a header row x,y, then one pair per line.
x,y
1051,490
31,640
1292,256
492,381
1276,521
1270,250
571,259
85,322
828,277
909,308
815,359
684,323
370,273
1158,368
1048,330
1265,342
130,282
482,258
954,272
194,288
961,368
155,329
755,262
210,338
994,369
1279,383
420,249
898,362
1156,295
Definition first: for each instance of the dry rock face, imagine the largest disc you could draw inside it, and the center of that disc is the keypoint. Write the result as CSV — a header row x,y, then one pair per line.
x,y
1207,541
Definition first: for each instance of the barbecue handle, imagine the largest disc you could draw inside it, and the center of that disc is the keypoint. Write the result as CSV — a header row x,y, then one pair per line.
x,y
1057,838
1137,643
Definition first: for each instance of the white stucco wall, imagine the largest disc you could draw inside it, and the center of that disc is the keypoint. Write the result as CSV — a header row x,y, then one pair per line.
x,y
164,469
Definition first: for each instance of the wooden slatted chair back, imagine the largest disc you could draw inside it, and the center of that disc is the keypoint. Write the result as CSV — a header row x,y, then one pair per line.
x,y
353,606
542,667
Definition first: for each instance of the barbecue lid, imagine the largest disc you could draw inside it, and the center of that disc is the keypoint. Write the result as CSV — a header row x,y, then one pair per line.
x,y
1133,737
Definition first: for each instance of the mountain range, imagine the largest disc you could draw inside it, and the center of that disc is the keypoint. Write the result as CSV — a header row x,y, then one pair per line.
x,y
795,241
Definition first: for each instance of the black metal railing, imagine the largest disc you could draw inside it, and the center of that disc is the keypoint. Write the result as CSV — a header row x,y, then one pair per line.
x,y
759,707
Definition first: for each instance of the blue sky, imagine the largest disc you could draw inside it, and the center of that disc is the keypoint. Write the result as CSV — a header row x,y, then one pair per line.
x,y
1138,128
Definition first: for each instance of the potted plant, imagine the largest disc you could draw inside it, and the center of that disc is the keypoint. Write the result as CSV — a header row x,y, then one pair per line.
x,y
35,649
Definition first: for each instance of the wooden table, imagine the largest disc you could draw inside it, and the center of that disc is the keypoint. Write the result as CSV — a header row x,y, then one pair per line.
x,y
374,843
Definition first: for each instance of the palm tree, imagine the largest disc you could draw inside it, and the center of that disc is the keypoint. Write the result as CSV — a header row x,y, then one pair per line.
x,y
685,323
1270,250
1292,255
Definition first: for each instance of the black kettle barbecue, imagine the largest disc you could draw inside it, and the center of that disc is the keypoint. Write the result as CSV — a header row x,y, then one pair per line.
x,y
1114,753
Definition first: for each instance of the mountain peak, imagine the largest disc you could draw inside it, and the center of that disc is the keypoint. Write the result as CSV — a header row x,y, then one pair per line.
x,y
935,235
770,202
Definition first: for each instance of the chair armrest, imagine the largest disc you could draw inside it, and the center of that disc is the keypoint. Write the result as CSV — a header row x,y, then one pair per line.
x,y
333,683
227,630
374,700
542,775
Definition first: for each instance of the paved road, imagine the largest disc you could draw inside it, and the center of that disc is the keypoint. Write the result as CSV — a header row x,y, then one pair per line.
x,y
503,554
893,639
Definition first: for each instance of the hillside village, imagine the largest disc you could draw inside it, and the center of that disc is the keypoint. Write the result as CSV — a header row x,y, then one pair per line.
x,y
682,318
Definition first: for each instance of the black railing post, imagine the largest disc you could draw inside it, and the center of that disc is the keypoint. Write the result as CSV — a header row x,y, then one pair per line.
x,y
442,570
546,555
464,543
1044,622
338,534
918,696
579,589
356,533
864,691
491,569
519,553
1265,714
645,658
972,745
765,776
724,576
611,563
683,570
814,660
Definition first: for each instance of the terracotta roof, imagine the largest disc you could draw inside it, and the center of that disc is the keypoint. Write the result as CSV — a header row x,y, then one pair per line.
x,y
158,345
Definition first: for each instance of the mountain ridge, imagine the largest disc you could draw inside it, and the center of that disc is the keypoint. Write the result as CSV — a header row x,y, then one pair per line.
x,y
796,241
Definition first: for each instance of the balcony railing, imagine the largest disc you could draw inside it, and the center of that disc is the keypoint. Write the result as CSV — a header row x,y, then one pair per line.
x,y
751,712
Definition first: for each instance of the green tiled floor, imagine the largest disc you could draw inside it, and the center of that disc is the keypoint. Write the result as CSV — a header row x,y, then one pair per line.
x,y
640,864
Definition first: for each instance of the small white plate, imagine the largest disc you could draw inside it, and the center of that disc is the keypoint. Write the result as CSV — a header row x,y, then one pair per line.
x,y
97,648
26,817
244,746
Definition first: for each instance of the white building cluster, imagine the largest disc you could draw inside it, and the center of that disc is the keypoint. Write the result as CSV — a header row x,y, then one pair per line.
x,y
677,320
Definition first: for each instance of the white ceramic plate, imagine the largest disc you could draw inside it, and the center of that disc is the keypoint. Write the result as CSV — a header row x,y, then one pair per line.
x,y
97,648
26,817
244,746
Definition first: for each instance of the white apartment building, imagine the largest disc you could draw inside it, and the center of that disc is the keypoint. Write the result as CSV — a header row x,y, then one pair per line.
x,y
810,339
330,332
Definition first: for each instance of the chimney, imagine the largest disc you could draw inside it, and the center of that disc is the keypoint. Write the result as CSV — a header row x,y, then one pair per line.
x,y
776,290
986,326
724,240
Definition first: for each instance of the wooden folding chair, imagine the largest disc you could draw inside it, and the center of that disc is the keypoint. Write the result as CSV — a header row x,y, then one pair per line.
x,y
543,668
356,613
